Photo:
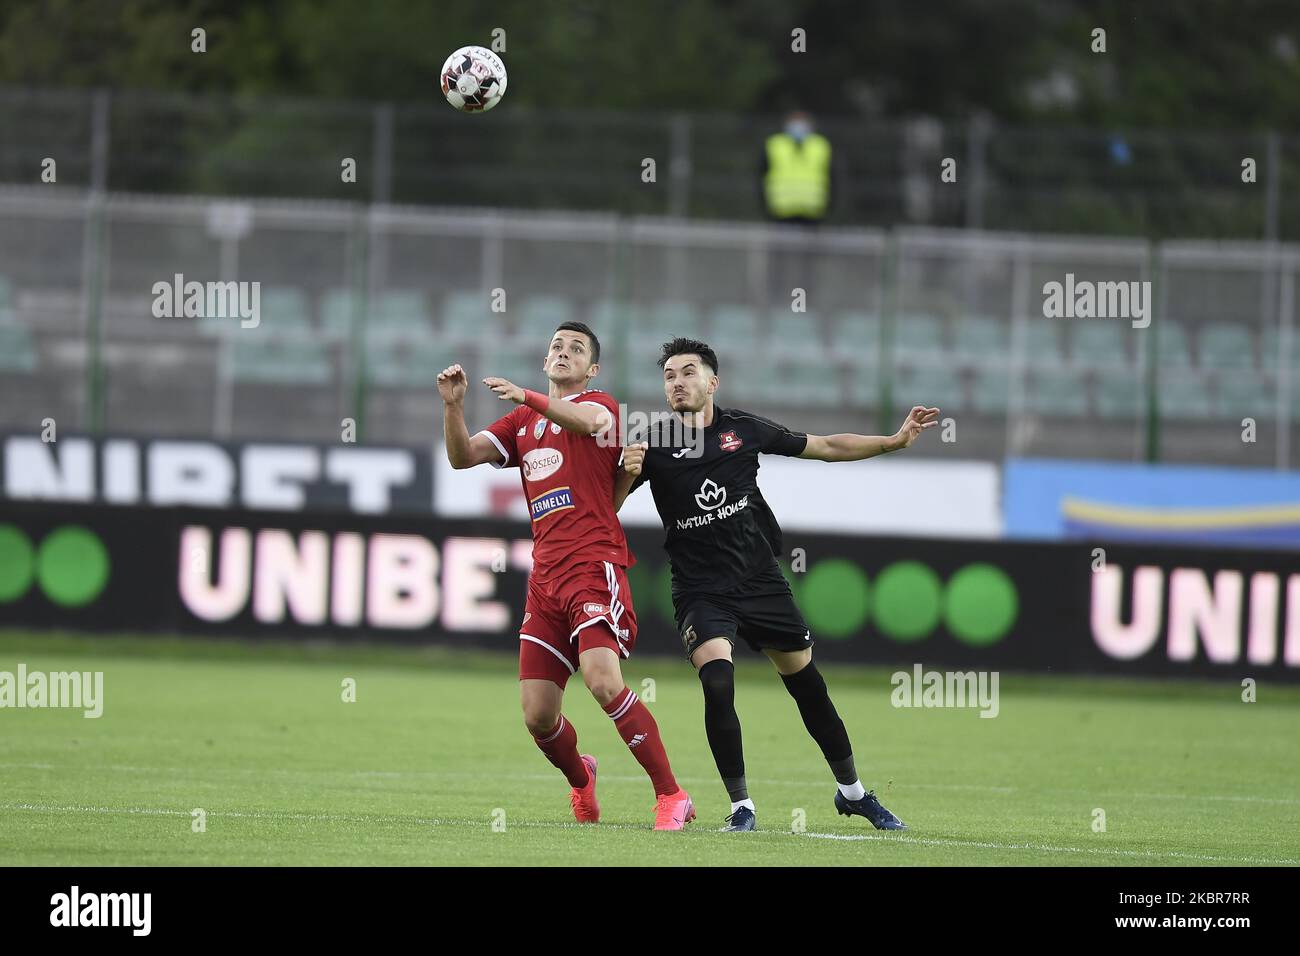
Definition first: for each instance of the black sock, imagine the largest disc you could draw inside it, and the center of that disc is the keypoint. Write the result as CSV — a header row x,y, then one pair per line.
x,y
809,691
718,678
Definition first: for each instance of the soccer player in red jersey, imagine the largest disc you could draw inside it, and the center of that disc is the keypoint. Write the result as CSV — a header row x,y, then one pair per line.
x,y
579,608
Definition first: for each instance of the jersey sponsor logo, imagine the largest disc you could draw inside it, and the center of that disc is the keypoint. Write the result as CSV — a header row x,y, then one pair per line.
x,y
710,496
729,441
593,608
718,514
549,502
539,429
541,463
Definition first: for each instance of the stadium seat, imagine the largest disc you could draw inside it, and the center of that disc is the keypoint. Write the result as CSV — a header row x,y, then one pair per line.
x,y
282,304
6,300
1098,343
1271,347
1173,347
930,385
1226,345
1043,343
806,383
17,351
336,313
920,334
539,316
853,333
1243,393
991,391
669,319
406,363
405,310
1119,394
796,334
731,327
1061,391
1184,395
468,314
274,360
978,339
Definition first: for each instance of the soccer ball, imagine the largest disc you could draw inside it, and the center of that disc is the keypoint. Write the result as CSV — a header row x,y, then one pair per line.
x,y
473,79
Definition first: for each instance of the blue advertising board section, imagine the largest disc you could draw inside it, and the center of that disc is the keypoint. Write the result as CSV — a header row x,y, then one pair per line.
x,y
1081,607
1175,504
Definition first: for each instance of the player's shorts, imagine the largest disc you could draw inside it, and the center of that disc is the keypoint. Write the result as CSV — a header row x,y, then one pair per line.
x,y
589,606
759,610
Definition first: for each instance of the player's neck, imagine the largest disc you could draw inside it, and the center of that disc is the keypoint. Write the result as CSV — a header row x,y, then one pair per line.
x,y
700,419
567,389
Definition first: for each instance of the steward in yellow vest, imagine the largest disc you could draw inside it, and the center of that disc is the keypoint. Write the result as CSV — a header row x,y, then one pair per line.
x,y
797,172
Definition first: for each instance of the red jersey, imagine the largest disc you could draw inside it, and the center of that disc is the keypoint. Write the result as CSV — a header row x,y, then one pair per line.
x,y
568,482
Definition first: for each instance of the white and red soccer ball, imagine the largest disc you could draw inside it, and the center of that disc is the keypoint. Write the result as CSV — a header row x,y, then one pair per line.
x,y
473,79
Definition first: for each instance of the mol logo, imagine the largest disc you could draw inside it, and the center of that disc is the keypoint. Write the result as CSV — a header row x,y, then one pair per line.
x,y
70,566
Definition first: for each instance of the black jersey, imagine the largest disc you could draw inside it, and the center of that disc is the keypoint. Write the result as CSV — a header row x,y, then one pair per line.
x,y
719,529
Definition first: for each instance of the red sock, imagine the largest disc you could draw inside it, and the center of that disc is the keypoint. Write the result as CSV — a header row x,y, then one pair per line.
x,y
639,731
561,749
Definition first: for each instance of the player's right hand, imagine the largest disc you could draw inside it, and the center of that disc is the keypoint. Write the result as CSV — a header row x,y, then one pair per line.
x,y
452,384
633,457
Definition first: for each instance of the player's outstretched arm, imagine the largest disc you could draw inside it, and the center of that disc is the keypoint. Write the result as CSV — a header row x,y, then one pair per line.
x,y
847,447
633,456
462,450
585,419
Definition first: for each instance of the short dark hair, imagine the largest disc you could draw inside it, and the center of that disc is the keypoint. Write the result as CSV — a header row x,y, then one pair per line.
x,y
585,329
684,346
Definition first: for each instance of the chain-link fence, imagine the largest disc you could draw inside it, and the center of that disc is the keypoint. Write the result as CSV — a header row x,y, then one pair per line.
x,y
1152,184
360,306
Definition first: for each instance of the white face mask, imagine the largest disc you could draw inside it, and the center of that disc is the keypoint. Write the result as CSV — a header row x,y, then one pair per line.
x,y
798,128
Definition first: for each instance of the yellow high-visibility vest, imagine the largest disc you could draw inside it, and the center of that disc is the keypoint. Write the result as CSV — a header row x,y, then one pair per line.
x,y
798,180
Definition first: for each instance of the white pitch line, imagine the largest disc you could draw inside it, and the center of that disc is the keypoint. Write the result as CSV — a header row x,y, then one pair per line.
x,y
636,778
532,824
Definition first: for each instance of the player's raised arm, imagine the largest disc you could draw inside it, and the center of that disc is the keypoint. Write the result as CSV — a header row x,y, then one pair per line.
x,y
848,447
585,418
628,472
462,450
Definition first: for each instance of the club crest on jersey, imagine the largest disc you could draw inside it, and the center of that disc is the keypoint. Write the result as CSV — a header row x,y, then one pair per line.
x,y
729,441
549,502
539,429
555,428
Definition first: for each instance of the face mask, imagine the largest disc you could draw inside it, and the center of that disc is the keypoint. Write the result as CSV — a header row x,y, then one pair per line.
x,y
798,129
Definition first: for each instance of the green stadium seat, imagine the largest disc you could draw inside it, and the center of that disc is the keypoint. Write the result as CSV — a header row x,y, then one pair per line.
x,y
281,304
17,350
1119,394
1244,392
405,363
466,315
1183,395
918,333
7,308
797,334
977,338
1043,342
991,391
1226,345
1062,391
1270,343
854,333
272,360
670,319
336,313
747,381
540,316
806,383
731,327
1173,347
1098,343
405,310
930,385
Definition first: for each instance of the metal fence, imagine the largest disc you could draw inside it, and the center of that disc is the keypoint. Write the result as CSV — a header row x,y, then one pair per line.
x,y
1148,183
830,329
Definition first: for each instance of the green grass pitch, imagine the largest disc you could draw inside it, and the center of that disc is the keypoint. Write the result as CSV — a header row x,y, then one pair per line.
x,y
433,751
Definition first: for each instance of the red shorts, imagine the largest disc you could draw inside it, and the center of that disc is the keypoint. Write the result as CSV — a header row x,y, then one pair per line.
x,y
590,606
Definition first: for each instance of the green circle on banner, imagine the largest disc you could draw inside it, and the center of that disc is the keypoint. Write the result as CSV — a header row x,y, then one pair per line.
x,y
907,601
72,566
981,604
834,596
17,563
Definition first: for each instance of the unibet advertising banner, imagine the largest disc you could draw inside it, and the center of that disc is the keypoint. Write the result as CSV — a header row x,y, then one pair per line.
x,y
895,601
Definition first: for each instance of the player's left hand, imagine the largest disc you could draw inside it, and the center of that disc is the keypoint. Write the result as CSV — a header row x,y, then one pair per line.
x,y
506,390
918,420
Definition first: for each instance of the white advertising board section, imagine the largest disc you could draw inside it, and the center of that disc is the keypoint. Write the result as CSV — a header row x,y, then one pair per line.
x,y
953,499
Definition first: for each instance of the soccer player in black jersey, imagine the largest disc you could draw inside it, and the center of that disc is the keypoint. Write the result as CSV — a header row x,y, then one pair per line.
x,y
722,542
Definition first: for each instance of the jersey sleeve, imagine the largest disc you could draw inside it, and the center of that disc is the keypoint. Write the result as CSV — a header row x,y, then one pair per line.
x,y
602,400
502,434
774,439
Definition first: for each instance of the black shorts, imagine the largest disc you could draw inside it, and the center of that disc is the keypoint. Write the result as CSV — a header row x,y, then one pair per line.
x,y
759,610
